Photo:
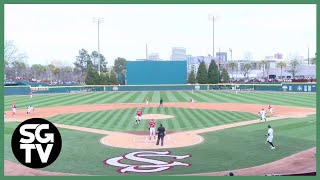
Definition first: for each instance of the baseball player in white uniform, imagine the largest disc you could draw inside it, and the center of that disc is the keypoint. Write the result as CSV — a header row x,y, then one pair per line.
x,y
262,114
270,137
29,110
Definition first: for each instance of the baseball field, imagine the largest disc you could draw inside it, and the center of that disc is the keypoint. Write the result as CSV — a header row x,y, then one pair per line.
x,y
218,133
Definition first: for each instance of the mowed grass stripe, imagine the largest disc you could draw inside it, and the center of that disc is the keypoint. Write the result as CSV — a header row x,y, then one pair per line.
x,y
126,117
264,99
216,117
140,98
125,97
205,120
94,116
183,118
75,99
156,96
174,120
118,119
115,116
169,121
187,96
214,97
171,97
107,97
228,117
196,96
275,98
179,97
180,121
150,95
106,119
99,121
85,119
164,96
195,119
115,97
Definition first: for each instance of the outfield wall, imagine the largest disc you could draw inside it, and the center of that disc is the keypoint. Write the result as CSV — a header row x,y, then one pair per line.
x,y
285,87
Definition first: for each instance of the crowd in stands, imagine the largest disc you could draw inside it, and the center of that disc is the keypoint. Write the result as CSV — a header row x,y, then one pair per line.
x,y
255,80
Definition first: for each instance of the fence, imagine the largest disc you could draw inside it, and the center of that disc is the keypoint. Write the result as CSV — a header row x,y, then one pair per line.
x,y
287,87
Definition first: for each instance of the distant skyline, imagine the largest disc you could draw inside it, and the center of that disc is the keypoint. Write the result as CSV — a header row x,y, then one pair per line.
x,y
57,32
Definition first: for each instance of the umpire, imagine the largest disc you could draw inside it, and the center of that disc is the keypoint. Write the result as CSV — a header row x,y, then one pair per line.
x,y
161,102
161,133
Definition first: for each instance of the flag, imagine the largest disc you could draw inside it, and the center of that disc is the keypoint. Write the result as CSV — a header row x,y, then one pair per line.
x,y
230,50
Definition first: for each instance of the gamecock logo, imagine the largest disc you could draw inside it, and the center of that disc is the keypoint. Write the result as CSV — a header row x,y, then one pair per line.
x,y
145,165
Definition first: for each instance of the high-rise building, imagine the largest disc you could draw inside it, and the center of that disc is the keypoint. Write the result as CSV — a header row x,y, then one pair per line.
x,y
222,56
178,54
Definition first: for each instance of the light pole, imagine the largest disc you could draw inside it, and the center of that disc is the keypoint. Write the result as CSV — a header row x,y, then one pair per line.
x,y
98,20
212,18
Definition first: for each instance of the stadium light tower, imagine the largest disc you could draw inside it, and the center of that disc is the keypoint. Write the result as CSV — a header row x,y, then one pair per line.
x,y
212,18
98,20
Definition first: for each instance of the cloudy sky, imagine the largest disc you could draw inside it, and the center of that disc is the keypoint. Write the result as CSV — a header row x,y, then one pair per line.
x,y
58,32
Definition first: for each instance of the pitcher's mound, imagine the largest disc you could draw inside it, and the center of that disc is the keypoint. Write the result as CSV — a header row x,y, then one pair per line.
x,y
156,116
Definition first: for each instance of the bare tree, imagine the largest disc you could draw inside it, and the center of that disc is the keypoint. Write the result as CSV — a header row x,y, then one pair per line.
x,y
248,56
11,53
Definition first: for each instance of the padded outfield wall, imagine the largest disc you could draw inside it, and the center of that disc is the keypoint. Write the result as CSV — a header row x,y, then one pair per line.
x,y
156,72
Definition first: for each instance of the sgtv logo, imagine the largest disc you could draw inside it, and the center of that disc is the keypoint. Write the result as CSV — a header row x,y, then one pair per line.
x,y
36,143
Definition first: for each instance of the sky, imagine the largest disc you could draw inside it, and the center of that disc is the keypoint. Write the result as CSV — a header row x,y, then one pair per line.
x,y
57,32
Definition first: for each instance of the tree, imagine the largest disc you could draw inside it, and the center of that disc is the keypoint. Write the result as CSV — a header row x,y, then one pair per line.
x,y
92,76
265,65
95,57
51,68
18,66
281,65
56,71
246,69
294,67
224,76
248,56
213,73
119,65
233,65
11,53
67,70
104,78
124,76
202,74
113,78
83,60
191,77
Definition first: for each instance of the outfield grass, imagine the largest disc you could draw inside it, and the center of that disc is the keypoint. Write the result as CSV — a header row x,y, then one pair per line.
x,y
123,119
275,98
222,150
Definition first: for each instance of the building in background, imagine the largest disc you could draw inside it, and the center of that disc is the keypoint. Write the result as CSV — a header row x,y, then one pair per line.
x,y
153,57
278,56
178,54
222,56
